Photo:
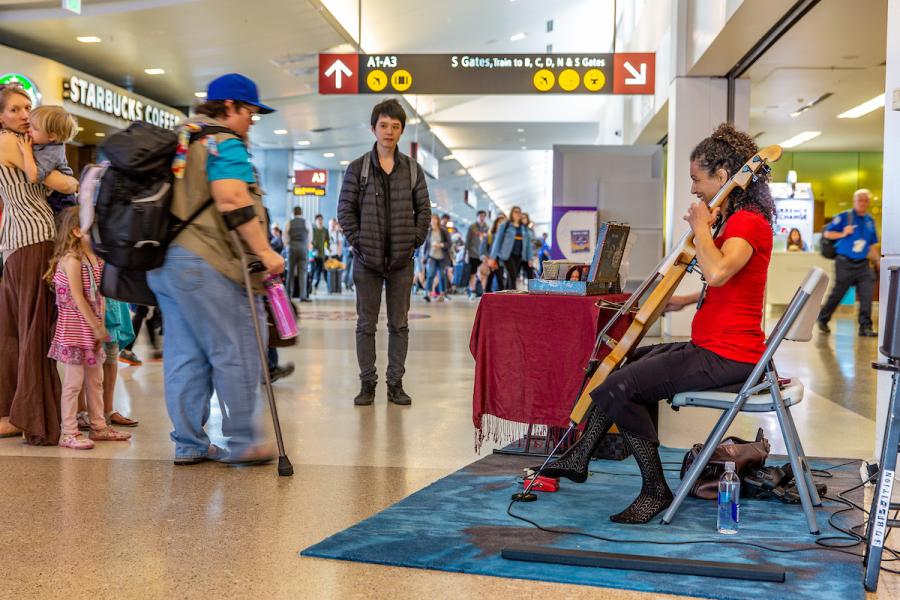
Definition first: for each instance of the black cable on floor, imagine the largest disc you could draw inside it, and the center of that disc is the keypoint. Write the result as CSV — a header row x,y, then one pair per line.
x,y
851,536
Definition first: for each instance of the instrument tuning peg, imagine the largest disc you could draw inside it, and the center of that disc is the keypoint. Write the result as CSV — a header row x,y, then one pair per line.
x,y
746,169
756,158
755,178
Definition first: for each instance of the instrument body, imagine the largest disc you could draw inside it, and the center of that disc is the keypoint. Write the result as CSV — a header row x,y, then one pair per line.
x,y
667,276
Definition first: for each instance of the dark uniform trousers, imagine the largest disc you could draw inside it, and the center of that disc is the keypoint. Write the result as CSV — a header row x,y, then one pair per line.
x,y
849,272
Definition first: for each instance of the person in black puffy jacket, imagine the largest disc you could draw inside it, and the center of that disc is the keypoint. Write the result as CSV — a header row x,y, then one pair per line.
x,y
384,217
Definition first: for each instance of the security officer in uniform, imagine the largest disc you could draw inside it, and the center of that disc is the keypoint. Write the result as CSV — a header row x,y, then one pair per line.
x,y
855,243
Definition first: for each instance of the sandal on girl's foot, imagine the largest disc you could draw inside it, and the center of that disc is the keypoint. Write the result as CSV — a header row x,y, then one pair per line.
x,y
109,435
83,420
120,420
76,442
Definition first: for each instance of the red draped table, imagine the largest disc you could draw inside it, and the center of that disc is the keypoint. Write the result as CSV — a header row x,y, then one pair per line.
x,y
530,352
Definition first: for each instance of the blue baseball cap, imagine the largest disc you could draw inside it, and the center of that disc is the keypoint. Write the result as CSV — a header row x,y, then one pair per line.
x,y
237,88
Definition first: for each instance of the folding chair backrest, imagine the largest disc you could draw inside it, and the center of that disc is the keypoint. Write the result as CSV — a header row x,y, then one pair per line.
x,y
815,283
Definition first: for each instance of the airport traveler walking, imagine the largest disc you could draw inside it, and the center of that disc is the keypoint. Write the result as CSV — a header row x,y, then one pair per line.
x,y
437,241
543,254
29,382
320,250
384,210
495,277
856,243
475,236
297,236
200,287
75,273
512,246
121,333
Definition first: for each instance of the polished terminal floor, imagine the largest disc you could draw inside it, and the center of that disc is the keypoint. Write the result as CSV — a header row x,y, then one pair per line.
x,y
121,521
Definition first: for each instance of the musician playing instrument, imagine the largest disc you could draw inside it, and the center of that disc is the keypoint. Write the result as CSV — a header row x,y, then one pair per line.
x,y
726,335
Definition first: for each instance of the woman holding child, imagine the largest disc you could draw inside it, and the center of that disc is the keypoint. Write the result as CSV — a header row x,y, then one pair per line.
x,y
29,382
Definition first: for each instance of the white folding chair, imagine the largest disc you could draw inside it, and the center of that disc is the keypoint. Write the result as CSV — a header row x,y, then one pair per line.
x,y
761,393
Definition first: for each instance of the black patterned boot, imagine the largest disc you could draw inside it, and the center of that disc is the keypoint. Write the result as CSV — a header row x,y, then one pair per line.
x,y
655,494
574,463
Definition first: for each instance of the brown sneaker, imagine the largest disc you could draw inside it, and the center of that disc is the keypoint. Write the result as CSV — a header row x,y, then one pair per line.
x,y
109,435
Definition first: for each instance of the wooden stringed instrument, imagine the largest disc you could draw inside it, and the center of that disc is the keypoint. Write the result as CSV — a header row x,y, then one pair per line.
x,y
668,274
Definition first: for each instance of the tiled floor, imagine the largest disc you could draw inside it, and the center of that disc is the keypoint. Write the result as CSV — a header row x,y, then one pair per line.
x,y
122,521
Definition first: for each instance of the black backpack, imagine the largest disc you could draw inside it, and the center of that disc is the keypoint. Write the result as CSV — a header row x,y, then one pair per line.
x,y
131,195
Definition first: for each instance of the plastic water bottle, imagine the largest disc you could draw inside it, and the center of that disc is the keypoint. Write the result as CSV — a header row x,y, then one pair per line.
x,y
285,322
729,501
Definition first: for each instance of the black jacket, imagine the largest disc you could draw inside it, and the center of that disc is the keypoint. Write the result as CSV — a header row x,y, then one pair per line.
x,y
362,215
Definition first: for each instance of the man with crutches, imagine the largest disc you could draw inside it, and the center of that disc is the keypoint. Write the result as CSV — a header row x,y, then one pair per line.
x,y
212,342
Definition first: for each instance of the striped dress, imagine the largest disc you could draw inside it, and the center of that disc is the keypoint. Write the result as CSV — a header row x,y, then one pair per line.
x,y
73,343
27,217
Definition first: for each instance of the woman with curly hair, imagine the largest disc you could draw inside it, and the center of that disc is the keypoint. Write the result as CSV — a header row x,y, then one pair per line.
x,y
726,337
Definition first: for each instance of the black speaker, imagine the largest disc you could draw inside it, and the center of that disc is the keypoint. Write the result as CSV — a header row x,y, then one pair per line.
x,y
891,340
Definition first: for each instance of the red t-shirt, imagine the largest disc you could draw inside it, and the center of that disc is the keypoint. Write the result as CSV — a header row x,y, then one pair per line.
x,y
729,322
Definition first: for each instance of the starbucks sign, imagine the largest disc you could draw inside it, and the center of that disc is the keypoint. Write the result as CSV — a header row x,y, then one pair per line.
x,y
26,84
116,102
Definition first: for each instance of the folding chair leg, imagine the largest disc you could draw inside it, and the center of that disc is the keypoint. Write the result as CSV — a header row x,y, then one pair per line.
x,y
807,471
690,478
802,481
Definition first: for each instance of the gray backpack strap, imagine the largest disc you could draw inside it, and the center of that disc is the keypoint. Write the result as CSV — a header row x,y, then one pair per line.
x,y
364,172
413,174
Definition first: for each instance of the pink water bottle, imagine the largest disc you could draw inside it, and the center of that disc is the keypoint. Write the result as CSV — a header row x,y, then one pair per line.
x,y
285,322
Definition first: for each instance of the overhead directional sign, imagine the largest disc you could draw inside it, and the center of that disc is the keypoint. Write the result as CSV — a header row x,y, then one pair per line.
x,y
339,74
632,73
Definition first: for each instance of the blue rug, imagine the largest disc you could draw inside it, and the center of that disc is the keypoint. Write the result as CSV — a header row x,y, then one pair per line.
x,y
459,524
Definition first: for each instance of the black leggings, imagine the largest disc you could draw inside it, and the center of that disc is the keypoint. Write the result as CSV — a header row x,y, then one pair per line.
x,y
513,264
661,371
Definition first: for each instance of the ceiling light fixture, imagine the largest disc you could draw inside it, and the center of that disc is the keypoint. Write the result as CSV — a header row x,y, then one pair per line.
x,y
89,39
449,157
280,132
345,162
800,138
155,71
256,117
520,130
524,147
200,94
517,36
864,108
100,134
328,154
806,107
304,143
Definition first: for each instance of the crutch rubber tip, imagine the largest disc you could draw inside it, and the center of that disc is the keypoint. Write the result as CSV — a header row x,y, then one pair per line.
x,y
523,497
285,468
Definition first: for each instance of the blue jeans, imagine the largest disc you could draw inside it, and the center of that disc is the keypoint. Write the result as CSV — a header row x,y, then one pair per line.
x,y
439,268
210,345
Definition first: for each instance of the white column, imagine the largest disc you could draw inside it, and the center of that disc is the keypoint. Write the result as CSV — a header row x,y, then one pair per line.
x,y
697,105
890,201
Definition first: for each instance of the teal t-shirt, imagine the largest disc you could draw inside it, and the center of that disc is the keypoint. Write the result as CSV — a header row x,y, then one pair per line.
x,y
230,161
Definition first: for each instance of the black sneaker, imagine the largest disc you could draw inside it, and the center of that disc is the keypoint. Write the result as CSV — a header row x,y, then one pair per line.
x,y
281,371
396,394
823,326
366,395
867,332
